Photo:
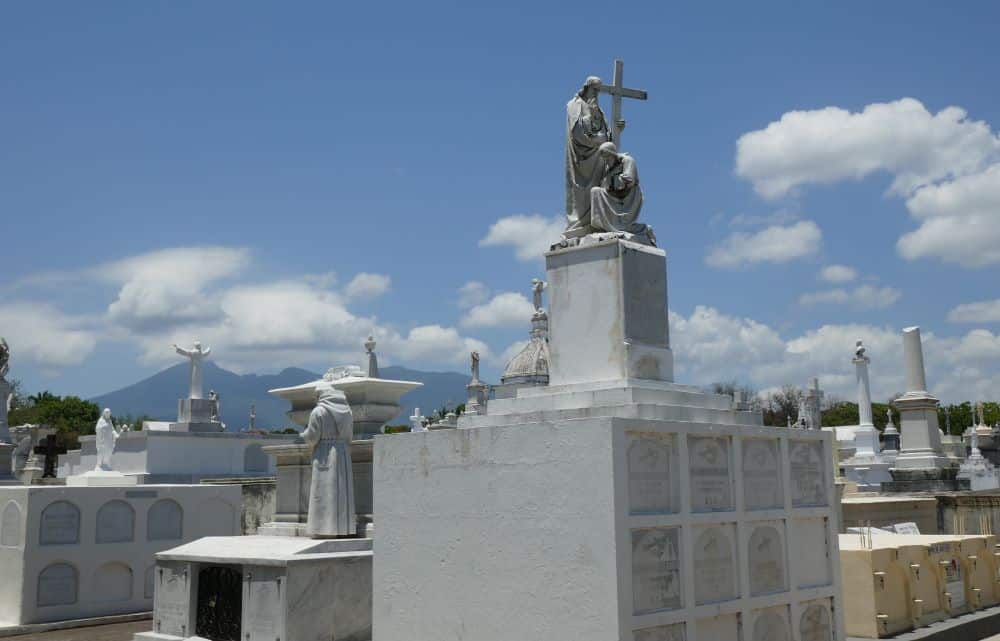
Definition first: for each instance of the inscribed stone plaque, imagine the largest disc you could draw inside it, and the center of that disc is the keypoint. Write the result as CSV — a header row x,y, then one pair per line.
x,y
906,528
724,627
808,469
57,585
60,524
673,632
766,559
809,547
656,574
761,475
815,624
164,521
715,565
10,526
770,626
112,582
711,481
115,522
173,599
263,611
652,464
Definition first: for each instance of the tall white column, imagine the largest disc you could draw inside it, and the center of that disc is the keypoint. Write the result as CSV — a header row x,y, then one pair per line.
x,y
921,440
913,358
865,436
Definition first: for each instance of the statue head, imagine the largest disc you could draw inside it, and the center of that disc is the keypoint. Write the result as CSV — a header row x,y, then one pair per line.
x,y
197,345
590,87
608,151
330,394
106,414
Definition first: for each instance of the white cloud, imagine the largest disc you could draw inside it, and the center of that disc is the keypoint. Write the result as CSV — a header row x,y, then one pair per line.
x,y
165,288
472,293
864,296
984,311
41,334
367,286
772,245
437,344
529,235
832,144
508,309
780,217
838,274
959,221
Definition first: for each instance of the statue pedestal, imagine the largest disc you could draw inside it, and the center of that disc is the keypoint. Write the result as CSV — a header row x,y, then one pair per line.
x,y
101,478
608,313
195,415
6,465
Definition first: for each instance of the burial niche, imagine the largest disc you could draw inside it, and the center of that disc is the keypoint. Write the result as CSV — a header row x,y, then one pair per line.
x,y
60,524
711,480
714,566
10,526
652,464
761,475
57,585
770,626
165,521
112,583
656,574
815,624
808,484
220,603
115,522
254,459
766,557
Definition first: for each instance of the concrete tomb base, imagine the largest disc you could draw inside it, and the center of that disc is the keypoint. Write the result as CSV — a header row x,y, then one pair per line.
x,y
925,480
82,552
100,478
263,588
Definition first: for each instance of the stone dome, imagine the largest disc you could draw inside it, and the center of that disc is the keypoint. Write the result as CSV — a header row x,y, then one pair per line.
x,y
531,365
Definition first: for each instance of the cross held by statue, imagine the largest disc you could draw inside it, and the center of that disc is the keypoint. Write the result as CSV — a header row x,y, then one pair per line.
x,y
51,451
617,91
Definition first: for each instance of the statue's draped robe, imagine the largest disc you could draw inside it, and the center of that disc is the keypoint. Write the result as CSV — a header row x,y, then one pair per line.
x,y
615,205
331,494
586,130
105,442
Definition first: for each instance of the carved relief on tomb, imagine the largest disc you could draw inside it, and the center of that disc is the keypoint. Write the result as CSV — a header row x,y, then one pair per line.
x,y
652,473
656,570
710,474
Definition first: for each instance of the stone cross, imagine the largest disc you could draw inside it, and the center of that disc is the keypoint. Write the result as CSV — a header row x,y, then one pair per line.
x,y
617,91
51,451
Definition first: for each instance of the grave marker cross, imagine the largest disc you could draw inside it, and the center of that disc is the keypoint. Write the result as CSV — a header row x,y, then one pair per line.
x,y
51,451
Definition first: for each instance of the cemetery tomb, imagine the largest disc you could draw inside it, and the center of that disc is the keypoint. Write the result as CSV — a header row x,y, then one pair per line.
x,y
82,552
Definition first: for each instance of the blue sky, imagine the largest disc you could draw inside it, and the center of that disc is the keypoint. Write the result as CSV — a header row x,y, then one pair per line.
x,y
279,180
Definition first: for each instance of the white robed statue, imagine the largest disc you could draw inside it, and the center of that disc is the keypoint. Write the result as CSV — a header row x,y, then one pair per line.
x,y
616,203
331,494
196,354
586,130
105,440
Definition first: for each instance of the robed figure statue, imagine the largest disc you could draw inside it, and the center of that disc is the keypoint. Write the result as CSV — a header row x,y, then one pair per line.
x,y
615,204
586,131
105,438
331,494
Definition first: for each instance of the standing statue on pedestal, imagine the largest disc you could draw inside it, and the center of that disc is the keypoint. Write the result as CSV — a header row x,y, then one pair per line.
x,y
106,436
196,354
331,494
586,131
6,391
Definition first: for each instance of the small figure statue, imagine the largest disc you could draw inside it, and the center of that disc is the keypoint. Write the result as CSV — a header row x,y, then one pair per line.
x,y
106,436
537,287
331,493
372,359
253,416
6,391
196,354
859,349
216,409
475,367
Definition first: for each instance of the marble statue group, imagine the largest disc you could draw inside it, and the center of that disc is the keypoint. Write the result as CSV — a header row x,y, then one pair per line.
x,y
603,193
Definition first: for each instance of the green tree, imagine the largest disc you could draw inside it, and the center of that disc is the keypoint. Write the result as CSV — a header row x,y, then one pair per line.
x,y
71,416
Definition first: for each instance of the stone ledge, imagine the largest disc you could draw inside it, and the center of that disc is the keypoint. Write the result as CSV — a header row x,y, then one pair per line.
x,y
36,628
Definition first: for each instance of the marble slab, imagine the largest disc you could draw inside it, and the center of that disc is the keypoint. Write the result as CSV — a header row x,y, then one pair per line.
x,y
715,575
762,475
656,572
58,584
263,610
725,627
115,522
711,474
173,600
165,521
771,625
808,465
652,473
811,569
60,524
10,525
815,623
766,559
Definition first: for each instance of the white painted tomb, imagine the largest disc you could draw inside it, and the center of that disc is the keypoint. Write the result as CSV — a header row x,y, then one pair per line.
x,y
81,552
611,504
